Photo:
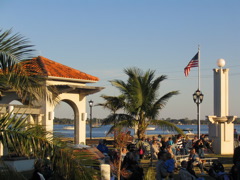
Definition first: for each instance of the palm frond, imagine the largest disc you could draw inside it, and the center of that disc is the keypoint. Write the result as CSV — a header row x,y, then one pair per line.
x,y
117,118
158,105
164,99
157,81
165,125
24,139
15,49
113,103
122,124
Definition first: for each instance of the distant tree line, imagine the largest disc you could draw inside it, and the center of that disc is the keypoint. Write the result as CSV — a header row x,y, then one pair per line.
x,y
237,121
184,121
63,121
71,121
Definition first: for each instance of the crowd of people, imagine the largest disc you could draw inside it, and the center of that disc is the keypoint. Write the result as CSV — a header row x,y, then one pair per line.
x,y
165,150
176,145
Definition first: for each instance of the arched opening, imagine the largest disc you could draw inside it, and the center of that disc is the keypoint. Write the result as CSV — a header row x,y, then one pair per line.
x,y
15,102
64,119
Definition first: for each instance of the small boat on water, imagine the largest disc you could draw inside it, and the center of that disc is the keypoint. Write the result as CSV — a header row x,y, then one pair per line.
x,y
188,131
150,128
69,128
96,126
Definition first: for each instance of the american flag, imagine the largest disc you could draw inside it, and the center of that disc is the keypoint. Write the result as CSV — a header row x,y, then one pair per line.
x,y
191,64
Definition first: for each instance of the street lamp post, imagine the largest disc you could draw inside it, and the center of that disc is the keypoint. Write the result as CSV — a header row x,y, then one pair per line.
x,y
90,122
198,98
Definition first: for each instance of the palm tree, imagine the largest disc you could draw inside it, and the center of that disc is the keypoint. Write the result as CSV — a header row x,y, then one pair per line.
x,y
14,51
142,102
112,103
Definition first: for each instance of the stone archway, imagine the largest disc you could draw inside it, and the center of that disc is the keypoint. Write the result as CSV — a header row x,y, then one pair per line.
x,y
76,119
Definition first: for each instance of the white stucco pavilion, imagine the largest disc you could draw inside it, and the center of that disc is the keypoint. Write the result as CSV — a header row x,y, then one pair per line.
x,y
72,88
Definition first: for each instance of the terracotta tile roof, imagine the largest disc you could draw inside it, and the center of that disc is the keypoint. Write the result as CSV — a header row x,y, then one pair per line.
x,y
46,67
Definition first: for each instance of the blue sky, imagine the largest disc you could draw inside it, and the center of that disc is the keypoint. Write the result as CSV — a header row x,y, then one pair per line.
x,y
102,37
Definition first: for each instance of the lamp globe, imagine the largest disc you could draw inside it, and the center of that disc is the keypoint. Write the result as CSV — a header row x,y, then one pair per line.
x,y
221,63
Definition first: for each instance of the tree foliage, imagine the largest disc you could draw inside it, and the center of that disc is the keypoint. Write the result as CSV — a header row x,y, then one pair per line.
x,y
15,50
142,102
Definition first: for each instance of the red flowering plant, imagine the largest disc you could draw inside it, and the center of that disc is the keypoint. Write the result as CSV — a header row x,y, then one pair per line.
x,y
121,141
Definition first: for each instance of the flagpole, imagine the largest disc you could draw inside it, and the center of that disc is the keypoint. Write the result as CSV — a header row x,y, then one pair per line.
x,y
199,67
198,113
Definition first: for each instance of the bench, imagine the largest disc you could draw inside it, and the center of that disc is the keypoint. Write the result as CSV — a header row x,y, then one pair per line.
x,y
208,161
205,161
180,158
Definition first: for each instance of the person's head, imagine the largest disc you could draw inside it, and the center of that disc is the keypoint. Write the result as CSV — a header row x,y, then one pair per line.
x,y
153,138
235,130
169,138
169,149
124,150
131,147
169,156
192,151
179,136
184,164
195,137
154,142
162,156
101,141
143,138
164,139
202,136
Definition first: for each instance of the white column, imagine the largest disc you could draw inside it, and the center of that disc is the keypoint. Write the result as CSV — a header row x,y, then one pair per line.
x,y
221,92
80,128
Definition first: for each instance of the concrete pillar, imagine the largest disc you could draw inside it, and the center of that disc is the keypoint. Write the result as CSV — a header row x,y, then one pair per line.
x,y
105,172
80,128
221,92
1,149
31,119
221,124
80,121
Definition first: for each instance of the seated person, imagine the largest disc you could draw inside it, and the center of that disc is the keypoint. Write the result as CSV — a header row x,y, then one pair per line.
x,y
131,163
154,150
169,164
102,147
190,169
161,171
195,160
184,174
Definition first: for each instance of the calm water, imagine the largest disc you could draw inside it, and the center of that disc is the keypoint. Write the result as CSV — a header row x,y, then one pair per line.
x,y
101,131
